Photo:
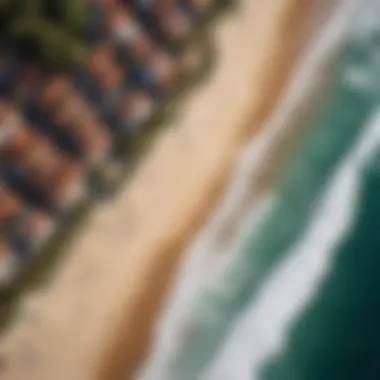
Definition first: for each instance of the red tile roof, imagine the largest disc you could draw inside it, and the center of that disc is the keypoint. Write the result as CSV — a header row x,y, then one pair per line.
x,y
10,203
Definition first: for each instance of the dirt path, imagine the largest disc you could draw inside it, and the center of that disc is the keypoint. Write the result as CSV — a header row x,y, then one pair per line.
x,y
94,319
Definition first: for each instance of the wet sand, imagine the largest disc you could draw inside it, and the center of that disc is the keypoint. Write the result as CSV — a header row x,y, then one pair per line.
x,y
94,319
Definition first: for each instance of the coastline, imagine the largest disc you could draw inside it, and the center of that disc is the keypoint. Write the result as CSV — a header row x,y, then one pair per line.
x,y
120,277
248,189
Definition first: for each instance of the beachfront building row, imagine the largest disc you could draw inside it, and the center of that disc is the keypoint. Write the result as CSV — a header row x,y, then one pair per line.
x,y
56,128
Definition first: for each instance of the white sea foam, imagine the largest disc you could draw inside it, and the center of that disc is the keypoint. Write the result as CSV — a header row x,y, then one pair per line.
x,y
262,329
171,327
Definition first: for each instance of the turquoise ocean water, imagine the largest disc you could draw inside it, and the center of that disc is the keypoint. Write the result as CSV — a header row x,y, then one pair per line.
x,y
301,296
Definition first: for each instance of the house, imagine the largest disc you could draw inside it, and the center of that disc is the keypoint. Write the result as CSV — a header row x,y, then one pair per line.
x,y
54,90
67,186
38,227
137,108
9,120
8,262
128,33
10,207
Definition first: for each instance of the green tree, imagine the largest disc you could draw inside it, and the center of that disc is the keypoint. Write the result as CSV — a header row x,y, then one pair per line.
x,y
49,30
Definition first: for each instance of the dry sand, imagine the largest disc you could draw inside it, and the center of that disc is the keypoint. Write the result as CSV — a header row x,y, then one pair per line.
x,y
94,318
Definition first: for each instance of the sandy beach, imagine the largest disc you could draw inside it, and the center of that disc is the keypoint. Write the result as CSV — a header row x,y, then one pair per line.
x,y
94,319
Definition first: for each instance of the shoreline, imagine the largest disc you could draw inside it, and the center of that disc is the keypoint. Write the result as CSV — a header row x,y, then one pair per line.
x,y
247,190
125,361
109,284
